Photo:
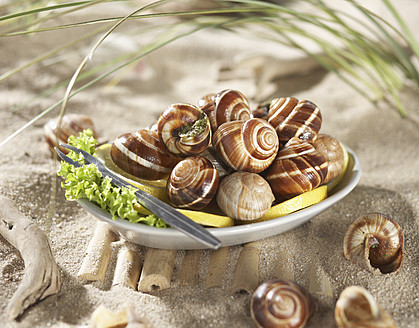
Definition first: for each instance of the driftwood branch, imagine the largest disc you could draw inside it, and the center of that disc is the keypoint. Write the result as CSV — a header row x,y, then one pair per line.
x,y
41,277
157,270
128,268
217,267
246,275
98,254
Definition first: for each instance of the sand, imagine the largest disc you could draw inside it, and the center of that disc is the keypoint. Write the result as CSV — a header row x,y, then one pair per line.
x,y
386,144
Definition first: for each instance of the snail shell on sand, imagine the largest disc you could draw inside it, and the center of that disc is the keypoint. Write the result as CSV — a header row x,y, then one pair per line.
x,y
142,155
298,168
184,130
71,125
281,303
192,183
228,105
374,242
246,145
331,149
357,308
292,117
244,196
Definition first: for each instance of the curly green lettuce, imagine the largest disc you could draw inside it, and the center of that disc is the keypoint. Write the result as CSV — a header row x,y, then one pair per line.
x,y
87,182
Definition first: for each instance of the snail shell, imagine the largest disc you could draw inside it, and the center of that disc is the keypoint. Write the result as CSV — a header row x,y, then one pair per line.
x,y
292,117
246,145
298,168
357,308
262,111
223,169
71,125
374,241
281,303
244,196
228,105
331,149
184,130
205,100
142,155
192,183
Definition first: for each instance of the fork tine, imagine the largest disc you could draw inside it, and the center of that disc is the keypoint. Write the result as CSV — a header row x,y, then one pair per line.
x,y
65,158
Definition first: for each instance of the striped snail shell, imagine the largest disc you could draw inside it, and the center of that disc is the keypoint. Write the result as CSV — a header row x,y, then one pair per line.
x,y
205,100
281,303
246,145
374,241
357,308
261,111
192,183
222,168
228,105
184,130
244,196
142,155
71,125
332,150
292,117
298,168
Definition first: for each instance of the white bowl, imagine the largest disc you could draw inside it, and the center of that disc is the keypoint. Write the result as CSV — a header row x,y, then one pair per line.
x,y
173,239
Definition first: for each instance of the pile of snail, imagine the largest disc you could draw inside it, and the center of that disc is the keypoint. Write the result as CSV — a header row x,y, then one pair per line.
x,y
222,150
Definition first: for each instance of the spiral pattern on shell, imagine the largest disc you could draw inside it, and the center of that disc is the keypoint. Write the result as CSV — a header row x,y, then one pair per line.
x,y
244,196
228,105
374,241
332,150
357,308
246,145
142,155
298,168
281,303
184,130
192,183
71,125
292,117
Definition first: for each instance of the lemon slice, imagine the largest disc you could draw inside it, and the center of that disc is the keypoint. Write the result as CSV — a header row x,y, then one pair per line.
x,y
208,219
294,204
332,184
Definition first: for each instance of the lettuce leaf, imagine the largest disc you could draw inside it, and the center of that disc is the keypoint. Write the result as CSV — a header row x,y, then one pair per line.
x,y
87,182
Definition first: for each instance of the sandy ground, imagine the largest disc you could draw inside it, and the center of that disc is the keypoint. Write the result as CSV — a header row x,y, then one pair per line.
x,y
386,144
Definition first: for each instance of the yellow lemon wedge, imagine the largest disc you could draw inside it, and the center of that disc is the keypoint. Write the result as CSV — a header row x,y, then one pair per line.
x,y
332,184
294,204
209,219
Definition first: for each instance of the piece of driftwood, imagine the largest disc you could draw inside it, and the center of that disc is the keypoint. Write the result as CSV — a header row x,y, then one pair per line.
x,y
125,317
128,268
157,270
246,274
217,267
98,254
189,274
284,268
41,276
319,283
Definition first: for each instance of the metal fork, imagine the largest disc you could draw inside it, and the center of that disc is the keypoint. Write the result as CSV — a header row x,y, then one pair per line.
x,y
167,213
